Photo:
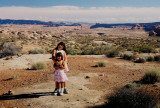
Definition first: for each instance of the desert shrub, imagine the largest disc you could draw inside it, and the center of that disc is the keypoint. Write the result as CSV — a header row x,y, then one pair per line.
x,y
49,51
36,51
133,57
144,49
129,85
87,51
129,56
39,65
9,49
150,58
100,64
140,60
131,98
71,51
8,58
113,52
98,50
126,56
151,76
157,58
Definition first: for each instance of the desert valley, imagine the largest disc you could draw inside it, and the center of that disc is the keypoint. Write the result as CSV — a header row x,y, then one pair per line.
x,y
106,64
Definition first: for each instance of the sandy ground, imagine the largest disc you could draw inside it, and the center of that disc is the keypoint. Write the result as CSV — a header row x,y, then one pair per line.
x,y
23,62
33,89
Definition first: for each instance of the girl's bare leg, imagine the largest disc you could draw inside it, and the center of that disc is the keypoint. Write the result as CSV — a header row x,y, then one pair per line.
x,y
65,88
57,84
64,84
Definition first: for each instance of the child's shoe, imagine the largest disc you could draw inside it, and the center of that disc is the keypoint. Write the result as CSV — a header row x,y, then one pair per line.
x,y
65,91
55,91
59,94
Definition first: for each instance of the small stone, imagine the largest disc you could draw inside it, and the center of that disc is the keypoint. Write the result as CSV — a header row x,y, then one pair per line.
x,y
155,85
80,89
29,105
87,77
84,100
101,75
10,92
77,99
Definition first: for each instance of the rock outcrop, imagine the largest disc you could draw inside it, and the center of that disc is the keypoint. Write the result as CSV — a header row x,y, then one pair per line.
x,y
155,31
152,33
138,27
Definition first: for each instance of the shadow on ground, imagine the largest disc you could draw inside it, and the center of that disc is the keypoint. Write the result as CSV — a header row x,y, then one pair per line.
x,y
23,96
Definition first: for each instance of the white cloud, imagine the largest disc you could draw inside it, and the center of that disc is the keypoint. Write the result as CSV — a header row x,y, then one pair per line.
x,y
80,14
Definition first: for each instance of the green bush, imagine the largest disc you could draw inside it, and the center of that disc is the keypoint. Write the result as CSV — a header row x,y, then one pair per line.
x,y
8,58
100,64
157,58
71,51
143,49
151,76
36,51
98,50
140,60
150,58
128,56
113,52
131,98
9,49
129,85
39,65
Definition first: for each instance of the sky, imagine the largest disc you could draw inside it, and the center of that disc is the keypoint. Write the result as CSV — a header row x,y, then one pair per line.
x,y
91,11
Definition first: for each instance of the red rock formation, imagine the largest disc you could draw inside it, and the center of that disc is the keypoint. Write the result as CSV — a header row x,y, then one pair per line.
x,y
152,33
155,31
138,27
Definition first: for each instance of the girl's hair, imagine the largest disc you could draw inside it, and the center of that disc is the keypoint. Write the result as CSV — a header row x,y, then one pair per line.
x,y
64,46
59,55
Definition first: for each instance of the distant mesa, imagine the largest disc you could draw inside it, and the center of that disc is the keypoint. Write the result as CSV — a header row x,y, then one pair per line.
x,y
152,28
98,25
36,22
138,27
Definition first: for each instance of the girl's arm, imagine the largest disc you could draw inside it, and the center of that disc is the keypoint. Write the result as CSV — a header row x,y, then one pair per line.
x,y
65,57
62,66
56,67
53,55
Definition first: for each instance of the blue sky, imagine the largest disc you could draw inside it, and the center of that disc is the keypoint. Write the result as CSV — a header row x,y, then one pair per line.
x,y
92,11
81,3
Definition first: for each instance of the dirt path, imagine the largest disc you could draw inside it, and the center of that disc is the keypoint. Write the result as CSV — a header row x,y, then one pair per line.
x,y
40,95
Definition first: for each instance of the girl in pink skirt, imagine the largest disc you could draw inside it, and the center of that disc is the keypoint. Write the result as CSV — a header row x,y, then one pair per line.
x,y
62,49
59,74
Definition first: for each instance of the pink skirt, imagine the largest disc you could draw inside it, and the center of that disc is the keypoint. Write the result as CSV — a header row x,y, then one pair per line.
x,y
59,76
